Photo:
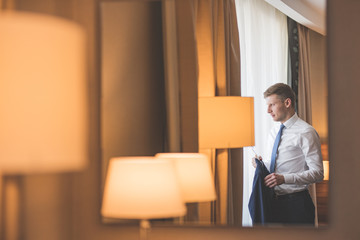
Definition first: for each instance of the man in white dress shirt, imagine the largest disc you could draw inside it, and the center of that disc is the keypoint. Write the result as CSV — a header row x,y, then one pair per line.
x,y
298,161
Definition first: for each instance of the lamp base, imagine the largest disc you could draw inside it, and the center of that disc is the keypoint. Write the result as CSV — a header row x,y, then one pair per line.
x,y
144,228
10,207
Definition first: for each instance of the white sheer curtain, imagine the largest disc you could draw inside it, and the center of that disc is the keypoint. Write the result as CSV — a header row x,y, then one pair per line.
x,y
264,52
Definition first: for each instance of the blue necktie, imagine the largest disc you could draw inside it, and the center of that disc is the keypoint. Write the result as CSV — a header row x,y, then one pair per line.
x,y
276,145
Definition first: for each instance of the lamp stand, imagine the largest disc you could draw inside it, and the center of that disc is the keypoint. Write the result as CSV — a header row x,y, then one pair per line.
x,y
144,228
11,209
1,195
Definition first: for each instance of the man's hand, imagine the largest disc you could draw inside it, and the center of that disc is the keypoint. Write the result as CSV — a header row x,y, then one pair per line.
x,y
253,160
273,180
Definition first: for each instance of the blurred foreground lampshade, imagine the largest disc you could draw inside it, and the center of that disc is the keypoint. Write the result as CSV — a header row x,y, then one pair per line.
x,y
141,188
43,94
226,122
194,173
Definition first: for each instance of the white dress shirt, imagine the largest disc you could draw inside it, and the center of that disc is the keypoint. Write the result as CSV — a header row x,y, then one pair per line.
x,y
298,158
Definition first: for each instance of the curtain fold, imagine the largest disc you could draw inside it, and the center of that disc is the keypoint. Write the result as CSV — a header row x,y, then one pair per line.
x,y
223,185
188,74
233,71
304,90
206,88
293,76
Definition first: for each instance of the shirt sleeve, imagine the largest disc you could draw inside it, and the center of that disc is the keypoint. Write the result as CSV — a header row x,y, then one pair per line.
x,y
309,142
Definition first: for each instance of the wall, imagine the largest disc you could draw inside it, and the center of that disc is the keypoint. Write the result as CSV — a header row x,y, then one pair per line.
x,y
132,87
344,72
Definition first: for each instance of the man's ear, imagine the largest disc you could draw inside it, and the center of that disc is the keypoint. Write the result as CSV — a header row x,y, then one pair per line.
x,y
287,102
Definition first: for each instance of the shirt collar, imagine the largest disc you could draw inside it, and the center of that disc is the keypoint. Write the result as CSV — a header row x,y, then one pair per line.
x,y
291,121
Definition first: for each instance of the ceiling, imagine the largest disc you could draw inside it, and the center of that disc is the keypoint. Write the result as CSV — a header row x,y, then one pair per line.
x,y
310,13
318,5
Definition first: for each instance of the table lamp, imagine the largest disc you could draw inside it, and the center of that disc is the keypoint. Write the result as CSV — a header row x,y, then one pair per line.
x,y
141,188
325,156
43,94
224,122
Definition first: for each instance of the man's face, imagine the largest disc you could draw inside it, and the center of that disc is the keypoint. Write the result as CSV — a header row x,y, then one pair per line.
x,y
278,110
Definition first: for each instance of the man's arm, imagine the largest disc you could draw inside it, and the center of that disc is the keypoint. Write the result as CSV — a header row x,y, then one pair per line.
x,y
310,145
274,179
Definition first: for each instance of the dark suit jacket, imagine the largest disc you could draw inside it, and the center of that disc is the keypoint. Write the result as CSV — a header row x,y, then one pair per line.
x,y
259,202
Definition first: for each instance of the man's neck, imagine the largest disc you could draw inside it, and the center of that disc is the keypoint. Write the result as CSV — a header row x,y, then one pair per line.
x,y
288,116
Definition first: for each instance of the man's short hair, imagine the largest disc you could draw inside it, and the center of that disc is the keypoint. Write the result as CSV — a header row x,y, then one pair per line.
x,y
283,91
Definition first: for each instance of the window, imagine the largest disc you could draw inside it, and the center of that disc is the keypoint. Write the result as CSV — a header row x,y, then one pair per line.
x,y
264,59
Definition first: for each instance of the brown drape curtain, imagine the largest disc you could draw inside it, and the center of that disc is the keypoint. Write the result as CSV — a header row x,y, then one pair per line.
x,y
209,65
219,75
187,66
233,73
188,74
304,90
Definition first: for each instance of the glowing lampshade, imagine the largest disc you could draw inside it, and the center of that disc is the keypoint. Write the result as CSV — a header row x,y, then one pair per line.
x,y
325,156
194,173
43,94
141,188
226,122
326,170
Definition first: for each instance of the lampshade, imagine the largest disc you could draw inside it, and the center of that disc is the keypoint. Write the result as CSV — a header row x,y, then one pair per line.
x,y
325,156
194,173
43,94
326,170
141,188
226,122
